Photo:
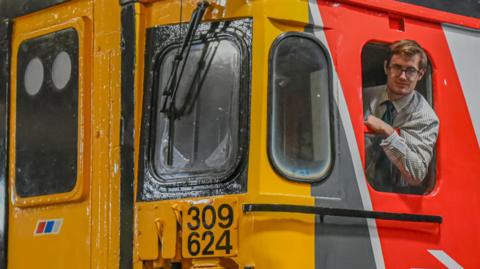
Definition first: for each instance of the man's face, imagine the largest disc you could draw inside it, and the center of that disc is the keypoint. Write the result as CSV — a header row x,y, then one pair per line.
x,y
403,73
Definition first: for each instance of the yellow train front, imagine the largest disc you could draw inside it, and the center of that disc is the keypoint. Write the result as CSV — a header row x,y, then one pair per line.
x,y
218,134
200,134
136,133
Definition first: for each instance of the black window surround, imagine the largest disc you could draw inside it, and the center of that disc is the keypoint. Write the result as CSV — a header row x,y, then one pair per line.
x,y
161,41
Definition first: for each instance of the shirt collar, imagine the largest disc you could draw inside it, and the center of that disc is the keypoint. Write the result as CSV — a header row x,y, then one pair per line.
x,y
398,104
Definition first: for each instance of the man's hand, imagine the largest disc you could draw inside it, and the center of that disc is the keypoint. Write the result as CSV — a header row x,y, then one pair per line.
x,y
378,126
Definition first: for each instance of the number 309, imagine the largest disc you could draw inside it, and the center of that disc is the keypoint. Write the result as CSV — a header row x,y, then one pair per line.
x,y
207,218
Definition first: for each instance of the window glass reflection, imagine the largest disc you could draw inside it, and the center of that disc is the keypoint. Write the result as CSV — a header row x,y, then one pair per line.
x,y
300,116
206,125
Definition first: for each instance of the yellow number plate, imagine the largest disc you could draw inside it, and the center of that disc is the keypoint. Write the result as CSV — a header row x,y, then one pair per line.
x,y
210,229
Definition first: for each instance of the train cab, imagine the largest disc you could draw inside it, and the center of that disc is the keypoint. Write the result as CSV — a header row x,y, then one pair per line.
x,y
229,134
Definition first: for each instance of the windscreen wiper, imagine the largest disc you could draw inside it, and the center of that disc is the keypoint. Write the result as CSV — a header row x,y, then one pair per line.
x,y
198,78
174,79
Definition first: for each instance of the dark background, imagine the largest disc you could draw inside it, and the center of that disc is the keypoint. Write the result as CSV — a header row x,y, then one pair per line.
x,y
15,8
470,8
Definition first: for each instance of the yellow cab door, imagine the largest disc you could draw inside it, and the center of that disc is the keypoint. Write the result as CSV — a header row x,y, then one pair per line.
x,y
191,130
49,211
200,136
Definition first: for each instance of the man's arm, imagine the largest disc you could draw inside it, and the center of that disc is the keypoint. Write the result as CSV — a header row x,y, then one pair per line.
x,y
412,149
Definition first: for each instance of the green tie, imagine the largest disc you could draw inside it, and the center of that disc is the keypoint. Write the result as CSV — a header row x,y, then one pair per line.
x,y
384,170
388,116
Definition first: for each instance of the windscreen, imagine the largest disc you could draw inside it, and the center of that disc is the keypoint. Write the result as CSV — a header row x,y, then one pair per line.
x,y
205,127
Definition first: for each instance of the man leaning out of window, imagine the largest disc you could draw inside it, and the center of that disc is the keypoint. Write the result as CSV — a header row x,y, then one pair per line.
x,y
404,124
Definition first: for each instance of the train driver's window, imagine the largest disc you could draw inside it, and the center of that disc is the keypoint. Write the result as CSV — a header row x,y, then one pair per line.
x,y
47,114
373,75
300,140
197,131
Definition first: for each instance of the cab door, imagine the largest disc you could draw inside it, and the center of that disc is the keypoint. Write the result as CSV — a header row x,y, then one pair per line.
x,y
192,144
49,150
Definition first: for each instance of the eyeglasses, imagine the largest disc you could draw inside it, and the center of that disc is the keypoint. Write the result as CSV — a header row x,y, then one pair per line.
x,y
397,70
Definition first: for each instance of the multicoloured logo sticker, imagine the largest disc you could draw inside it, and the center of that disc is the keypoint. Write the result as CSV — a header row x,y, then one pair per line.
x,y
46,227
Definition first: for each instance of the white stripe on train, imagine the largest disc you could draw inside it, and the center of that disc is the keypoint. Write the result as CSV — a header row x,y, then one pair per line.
x,y
446,260
352,143
464,46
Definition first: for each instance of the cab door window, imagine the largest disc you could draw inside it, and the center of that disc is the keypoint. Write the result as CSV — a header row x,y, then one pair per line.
x,y
46,119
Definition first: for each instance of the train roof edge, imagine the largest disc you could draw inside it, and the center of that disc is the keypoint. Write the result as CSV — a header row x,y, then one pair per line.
x,y
464,13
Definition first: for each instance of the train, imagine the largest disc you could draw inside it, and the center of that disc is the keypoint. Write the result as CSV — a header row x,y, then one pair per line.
x,y
215,134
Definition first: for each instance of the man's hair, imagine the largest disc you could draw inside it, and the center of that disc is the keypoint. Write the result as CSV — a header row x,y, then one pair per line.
x,y
408,48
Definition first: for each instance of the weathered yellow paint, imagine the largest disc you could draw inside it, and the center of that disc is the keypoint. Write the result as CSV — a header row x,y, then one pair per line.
x,y
266,240
157,224
106,108
43,250
82,26
89,235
